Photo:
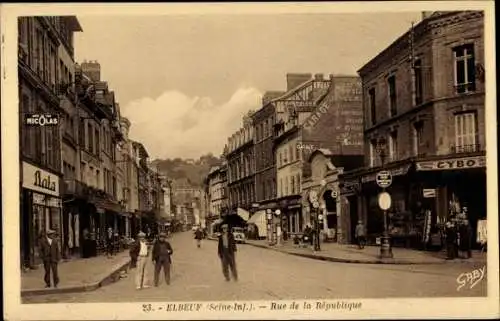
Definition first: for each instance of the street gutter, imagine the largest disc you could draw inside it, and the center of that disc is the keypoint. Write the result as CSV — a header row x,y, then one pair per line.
x,y
105,279
340,260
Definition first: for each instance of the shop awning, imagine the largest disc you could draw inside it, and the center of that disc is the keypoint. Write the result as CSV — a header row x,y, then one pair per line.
x,y
217,221
259,219
397,171
244,214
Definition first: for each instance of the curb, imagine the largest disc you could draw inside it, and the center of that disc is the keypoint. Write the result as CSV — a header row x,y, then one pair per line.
x,y
339,260
106,279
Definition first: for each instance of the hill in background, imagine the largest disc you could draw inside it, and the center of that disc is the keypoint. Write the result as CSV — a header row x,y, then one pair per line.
x,y
194,171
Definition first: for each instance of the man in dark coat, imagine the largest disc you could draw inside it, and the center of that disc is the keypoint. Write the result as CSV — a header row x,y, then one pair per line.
x,y
109,242
451,240
162,250
50,254
226,251
360,234
465,232
198,235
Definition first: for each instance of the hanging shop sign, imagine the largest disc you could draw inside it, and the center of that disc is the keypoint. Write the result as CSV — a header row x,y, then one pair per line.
x,y
427,227
399,171
452,164
41,120
384,201
429,192
38,180
350,187
384,179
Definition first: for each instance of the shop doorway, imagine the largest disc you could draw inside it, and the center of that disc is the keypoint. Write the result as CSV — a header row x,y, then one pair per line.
x,y
353,216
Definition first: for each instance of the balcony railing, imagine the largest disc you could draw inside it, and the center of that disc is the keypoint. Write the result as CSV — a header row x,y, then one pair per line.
x,y
74,187
460,149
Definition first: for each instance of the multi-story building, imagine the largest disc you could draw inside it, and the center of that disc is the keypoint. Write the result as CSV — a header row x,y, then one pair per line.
x,y
217,195
184,193
318,114
156,196
168,211
241,167
130,157
265,170
423,100
126,178
144,206
44,61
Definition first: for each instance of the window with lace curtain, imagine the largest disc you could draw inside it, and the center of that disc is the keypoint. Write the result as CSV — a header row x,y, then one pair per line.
x,y
465,132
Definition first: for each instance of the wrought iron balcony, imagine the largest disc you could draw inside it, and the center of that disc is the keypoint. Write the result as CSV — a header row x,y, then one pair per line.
x,y
73,187
460,149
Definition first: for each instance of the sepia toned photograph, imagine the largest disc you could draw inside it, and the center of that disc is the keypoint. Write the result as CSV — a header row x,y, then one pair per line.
x,y
231,164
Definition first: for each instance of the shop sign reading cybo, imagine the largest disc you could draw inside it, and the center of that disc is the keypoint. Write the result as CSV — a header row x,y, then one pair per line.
x,y
41,120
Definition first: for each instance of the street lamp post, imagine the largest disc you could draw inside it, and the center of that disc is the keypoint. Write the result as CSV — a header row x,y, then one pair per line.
x,y
269,215
384,180
315,210
278,227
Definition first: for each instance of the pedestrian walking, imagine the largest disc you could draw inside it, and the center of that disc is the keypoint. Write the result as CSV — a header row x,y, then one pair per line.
x,y
198,235
116,242
227,252
110,242
140,251
50,254
162,251
360,234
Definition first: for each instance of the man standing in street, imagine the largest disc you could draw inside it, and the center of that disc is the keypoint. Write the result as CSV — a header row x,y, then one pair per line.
x,y
360,234
198,235
162,250
49,250
139,250
109,242
226,251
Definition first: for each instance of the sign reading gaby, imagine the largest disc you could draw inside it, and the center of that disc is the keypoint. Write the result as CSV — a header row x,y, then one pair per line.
x,y
38,180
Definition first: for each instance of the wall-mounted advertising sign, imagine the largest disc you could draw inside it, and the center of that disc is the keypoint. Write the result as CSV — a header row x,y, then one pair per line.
x,y
37,119
38,180
452,164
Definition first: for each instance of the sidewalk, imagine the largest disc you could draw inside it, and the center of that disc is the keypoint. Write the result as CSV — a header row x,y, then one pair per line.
x,y
348,253
77,275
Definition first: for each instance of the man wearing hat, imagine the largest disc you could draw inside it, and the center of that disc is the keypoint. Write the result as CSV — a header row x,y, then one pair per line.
x,y
139,252
50,254
226,251
360,234
161,258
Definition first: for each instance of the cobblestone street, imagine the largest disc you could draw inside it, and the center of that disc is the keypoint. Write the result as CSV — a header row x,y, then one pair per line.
x,y
266,274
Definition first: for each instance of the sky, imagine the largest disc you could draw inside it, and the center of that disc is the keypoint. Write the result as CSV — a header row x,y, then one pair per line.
x,y
185,81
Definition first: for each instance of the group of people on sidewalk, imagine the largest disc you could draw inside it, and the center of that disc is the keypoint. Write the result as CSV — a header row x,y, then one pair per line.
x,y
161,252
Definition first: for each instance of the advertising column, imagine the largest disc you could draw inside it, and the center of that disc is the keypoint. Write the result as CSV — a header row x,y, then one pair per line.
x,y
41,207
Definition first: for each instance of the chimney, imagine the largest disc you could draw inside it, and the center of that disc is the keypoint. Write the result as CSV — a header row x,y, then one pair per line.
x,y
318,77
270,95
294,80
92,69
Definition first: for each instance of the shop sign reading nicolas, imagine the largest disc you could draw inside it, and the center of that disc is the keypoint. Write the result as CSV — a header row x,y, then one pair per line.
x,y
38,180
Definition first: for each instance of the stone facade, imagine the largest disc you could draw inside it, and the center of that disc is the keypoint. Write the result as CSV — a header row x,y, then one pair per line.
x,y
424,95
241,162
